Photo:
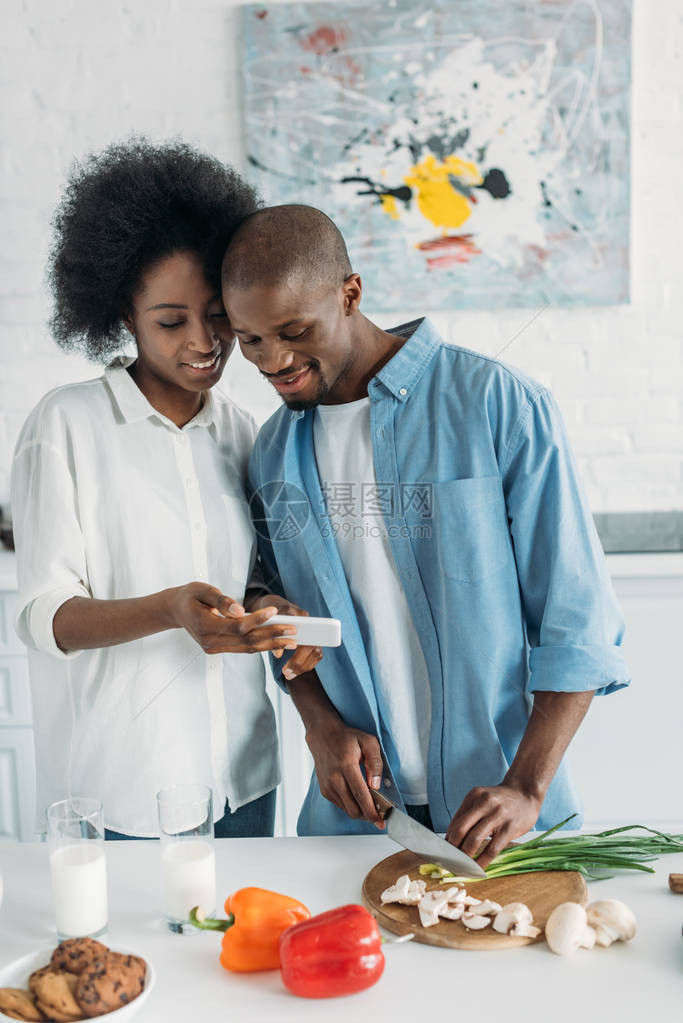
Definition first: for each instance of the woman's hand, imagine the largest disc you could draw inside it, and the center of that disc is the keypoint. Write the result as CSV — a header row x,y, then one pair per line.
x,y
221,625
306,657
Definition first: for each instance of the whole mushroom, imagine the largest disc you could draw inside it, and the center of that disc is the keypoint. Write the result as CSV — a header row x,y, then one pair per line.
x,y
612,921
567,929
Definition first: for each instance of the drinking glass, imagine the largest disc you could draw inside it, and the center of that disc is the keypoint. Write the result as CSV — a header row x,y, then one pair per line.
x,y
75,834
188,862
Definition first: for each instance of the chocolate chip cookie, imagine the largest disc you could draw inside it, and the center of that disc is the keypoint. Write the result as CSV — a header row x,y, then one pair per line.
x,y
54,995
110,982
18,1004
76,954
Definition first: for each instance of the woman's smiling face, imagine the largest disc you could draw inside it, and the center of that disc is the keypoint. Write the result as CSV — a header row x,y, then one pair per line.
x,y
180,326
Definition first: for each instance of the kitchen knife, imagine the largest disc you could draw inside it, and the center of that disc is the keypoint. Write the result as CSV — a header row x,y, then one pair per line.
x,y
420,840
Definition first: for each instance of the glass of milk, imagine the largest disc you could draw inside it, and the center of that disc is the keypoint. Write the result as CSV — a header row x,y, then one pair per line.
x,y
75,833
188,862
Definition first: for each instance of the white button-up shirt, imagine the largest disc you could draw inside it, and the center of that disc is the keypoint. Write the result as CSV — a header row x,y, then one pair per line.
x,y
111,500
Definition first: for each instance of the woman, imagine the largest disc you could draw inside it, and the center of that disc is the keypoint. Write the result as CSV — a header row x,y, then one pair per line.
x,y
139,589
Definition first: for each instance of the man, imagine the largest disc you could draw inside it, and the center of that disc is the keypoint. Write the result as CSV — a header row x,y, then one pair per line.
x,y
427,498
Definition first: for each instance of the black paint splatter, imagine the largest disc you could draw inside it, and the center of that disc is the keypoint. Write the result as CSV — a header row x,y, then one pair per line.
x,y
355,139
403,193
444,145
496,184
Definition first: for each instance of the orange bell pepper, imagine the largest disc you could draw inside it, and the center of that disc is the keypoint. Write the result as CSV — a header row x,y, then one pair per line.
x,y
255,920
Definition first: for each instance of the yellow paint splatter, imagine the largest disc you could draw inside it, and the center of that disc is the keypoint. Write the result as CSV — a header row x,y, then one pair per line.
x,y
436,197
389,206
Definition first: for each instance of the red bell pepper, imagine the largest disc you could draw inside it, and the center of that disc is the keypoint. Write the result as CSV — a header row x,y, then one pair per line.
x,y
335,953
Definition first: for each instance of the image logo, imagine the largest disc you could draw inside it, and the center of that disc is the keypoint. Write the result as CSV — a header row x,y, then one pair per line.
x,y
279,510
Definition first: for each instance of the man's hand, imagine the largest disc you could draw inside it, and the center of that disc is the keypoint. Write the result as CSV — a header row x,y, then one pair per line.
x,y
338,753
304,658
220,625
491,818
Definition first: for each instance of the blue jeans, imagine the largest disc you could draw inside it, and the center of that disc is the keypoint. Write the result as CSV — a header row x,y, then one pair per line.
x,y
253,820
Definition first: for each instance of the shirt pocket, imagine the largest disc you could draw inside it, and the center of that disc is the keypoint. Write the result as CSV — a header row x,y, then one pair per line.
x,y
240,539
473,540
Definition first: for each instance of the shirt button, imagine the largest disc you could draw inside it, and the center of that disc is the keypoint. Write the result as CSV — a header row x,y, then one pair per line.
x,y
197,526
189,481
403,392
387,783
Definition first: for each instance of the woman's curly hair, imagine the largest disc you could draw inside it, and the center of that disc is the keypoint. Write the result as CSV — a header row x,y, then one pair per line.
x,y
122,211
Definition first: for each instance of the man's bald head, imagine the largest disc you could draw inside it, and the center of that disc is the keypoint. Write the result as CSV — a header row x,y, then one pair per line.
x,y
286,244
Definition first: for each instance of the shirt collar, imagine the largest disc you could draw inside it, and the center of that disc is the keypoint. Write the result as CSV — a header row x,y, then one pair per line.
x,y
403,371
134,406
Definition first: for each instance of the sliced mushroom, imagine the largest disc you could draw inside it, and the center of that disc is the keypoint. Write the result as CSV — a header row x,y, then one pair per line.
x,y
412,898
567,929
397,891
488,908
430,906
456,894
469,900
515,919
414,893
512,915
404,891
452,911
612,921
475,922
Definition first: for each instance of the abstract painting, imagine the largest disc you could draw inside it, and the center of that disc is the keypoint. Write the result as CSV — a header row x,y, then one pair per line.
x,y
474,154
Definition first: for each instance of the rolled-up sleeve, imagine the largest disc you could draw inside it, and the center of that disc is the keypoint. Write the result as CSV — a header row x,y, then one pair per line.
x,y
51,561
573,622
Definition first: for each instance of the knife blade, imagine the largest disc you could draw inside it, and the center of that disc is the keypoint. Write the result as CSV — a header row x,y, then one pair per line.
x,y
420,840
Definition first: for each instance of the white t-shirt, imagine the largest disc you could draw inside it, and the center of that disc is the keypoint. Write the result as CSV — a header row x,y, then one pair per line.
x,y
343,450
110,500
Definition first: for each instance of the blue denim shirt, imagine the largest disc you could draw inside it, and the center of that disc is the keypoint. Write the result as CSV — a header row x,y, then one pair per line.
x,y
494,545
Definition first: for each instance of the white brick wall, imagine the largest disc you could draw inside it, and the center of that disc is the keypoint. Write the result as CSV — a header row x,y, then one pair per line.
x,y
78,74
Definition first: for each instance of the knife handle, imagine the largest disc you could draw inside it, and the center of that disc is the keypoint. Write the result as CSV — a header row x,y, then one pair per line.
x,y
384,807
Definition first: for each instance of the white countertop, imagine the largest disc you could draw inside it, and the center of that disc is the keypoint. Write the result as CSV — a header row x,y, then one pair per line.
x,y
629,982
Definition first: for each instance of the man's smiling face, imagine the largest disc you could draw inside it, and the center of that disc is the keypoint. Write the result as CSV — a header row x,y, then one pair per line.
x,y
298,336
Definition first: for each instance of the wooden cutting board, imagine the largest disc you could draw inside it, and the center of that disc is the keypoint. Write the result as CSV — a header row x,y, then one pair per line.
x,y
540,891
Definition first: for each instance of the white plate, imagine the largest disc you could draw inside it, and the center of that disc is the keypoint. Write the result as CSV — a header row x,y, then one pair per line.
x,y
16,974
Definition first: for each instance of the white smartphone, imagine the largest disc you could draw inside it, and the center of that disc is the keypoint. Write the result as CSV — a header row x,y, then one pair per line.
x,y
311,631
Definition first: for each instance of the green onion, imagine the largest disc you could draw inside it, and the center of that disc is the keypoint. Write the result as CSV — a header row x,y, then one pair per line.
x,y
593,856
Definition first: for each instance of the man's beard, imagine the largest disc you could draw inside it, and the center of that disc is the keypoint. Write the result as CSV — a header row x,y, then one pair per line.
x,y
323,388
317,399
